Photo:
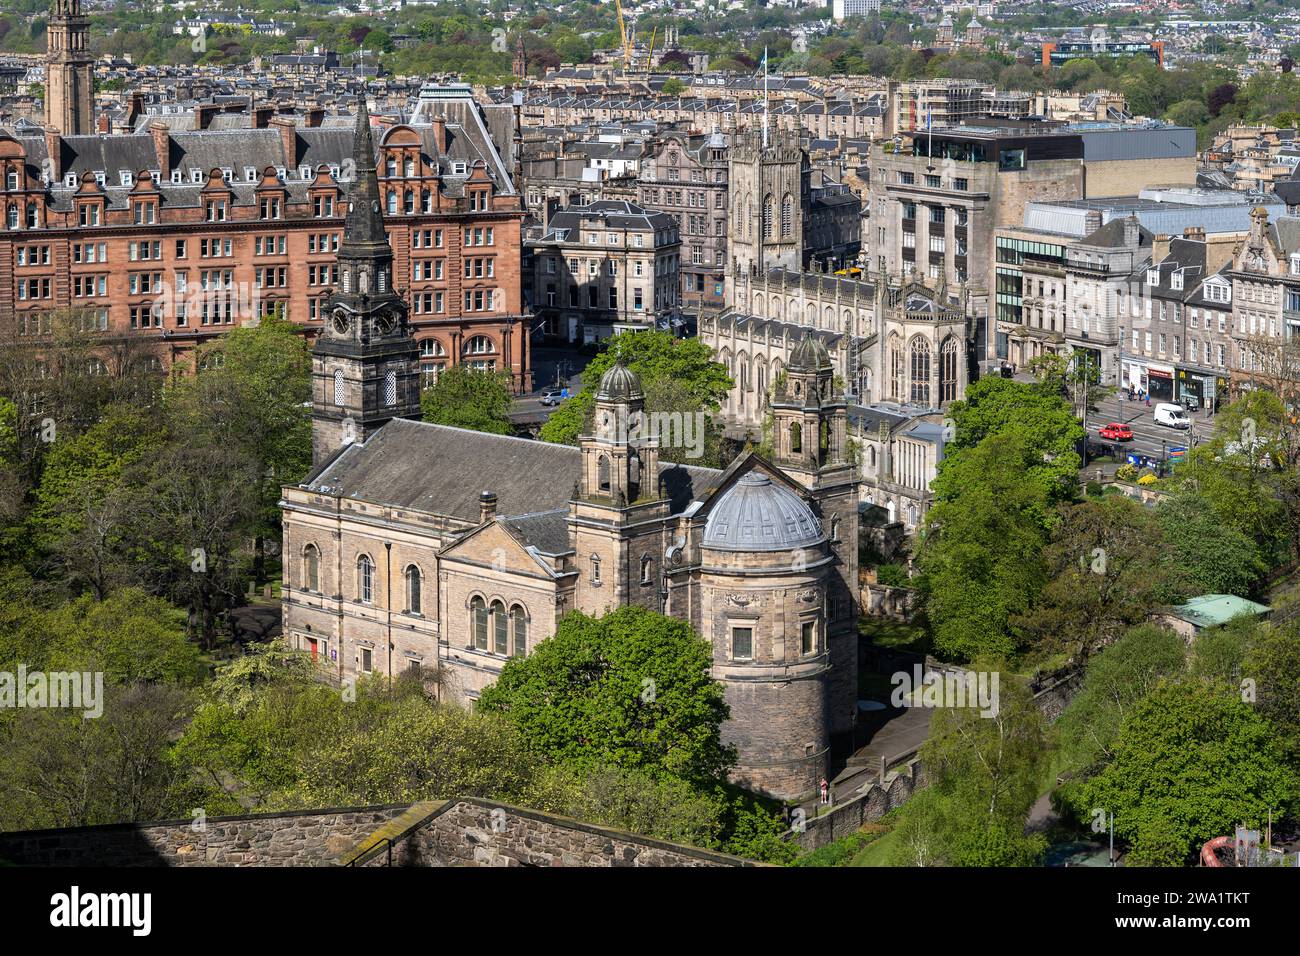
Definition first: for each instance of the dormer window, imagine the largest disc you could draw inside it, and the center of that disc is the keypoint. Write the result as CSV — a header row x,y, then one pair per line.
x,y
1153,277
196,175
100,179
1176,280
177,176
228,174
458,168
1295,265
281,173
124,176
250,174
304,173
70,180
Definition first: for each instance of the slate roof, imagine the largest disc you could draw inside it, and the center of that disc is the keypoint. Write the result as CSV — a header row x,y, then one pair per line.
x,y
442,470
547,531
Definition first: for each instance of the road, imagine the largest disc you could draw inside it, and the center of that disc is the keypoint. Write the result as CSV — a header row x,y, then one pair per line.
x,y
1147,435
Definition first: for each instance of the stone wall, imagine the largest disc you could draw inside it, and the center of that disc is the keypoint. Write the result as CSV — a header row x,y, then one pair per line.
x,y
308,838
469,832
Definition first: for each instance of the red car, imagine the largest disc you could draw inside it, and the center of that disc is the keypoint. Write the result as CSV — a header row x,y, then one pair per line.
x,y
1116,431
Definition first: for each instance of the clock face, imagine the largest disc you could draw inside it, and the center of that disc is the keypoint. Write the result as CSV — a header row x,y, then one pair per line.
x,y
340,322
384,323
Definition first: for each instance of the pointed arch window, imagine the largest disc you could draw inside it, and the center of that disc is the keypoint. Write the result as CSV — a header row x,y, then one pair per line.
x,y
787,216
948,358
602,473
311,568
340,388
920,372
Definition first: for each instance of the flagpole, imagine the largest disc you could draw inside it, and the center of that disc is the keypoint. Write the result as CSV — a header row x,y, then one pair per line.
x,y
765,102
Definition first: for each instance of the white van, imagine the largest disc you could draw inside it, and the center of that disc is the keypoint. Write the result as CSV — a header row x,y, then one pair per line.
x,y
1172,415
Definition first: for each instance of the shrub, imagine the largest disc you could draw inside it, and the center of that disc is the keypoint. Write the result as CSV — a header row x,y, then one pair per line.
x,y
1126,472
1147,480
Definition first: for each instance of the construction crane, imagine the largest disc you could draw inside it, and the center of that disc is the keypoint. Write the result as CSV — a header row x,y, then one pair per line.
x,y
650,57
627,40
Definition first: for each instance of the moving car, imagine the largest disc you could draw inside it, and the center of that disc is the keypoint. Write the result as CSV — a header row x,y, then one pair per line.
x,y
1116,431
1172,416
551,395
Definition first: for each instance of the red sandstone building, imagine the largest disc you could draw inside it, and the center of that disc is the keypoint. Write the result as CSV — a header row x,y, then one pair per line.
x,y
179,235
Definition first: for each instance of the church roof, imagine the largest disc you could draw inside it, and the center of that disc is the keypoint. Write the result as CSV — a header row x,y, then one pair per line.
x,y
442,470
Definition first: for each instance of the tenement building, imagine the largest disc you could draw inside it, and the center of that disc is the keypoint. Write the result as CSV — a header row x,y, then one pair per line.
x,y
175,236
607,267
414,545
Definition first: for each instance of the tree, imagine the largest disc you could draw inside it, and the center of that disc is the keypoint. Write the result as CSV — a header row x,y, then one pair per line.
x,y
467,398
1273,663
631,689
699,383
1107,569
1216,558
980,556
984,772
1190,764
1115,680
673,87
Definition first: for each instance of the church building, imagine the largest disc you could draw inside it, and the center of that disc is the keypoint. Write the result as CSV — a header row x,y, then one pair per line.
x,y
414,545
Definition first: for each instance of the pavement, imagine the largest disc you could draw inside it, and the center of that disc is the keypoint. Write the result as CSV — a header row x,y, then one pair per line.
x,y
1147,435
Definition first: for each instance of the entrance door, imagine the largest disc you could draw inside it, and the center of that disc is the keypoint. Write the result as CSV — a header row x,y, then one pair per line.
x,y
313,647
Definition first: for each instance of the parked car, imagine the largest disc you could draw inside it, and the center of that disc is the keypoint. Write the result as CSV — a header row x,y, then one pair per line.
x,y
552,395
1116,431
1172,416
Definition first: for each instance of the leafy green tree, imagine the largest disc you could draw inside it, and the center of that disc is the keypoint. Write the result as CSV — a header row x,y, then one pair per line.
x,y
467,398
1191,763
1273,663
1115,680
1217,558
698,382
673,87
981,555
631,689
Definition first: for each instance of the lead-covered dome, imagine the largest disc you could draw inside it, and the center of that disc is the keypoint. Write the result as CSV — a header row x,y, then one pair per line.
x,y
757,514
620,384
810,355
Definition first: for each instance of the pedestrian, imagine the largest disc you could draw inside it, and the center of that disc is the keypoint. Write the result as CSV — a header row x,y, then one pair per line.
x,y
1148,400
826,791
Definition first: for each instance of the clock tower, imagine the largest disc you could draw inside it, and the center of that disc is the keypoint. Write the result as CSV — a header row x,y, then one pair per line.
x,y
365,364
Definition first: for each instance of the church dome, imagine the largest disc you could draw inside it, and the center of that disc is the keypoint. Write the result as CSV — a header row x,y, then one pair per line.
x,y
809,355
757,514
620,384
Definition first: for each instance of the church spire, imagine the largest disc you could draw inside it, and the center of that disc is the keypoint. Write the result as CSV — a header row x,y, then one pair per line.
x,y
363,231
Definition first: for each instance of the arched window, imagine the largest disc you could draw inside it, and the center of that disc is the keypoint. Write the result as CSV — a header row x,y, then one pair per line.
x,y
311,568
769,226
340,388
920,371
365,580
796,437
500,629
478,624
787,216
390,167
518,631
479,345
11,217
347,280
414,598
602,473
948,357
647,569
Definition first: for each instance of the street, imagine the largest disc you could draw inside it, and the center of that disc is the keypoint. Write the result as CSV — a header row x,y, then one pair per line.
x,y
1147,435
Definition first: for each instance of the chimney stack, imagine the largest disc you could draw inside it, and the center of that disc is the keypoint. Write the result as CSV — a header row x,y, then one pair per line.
x,y
440,134
203,114
288,138
135,111
315,116
162,147
1132,231
262,116
54,151
1194,232
487,506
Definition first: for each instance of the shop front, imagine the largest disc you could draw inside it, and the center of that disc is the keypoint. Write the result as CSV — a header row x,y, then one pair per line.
x,y
1160,383
1199,390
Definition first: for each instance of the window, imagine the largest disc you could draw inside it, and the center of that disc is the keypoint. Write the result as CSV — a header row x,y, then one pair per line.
x,y
808,637
311,568
518,631
390,387
920,372
478,624
414,601
340,389
500,629
742,643
365,580
367,659
647,569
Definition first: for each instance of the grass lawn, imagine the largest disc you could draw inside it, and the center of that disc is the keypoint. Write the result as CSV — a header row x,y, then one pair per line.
x,y
876,853
894,634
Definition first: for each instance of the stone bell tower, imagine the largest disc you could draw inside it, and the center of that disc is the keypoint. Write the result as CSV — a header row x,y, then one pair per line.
x,y
618,504
810,443
365,364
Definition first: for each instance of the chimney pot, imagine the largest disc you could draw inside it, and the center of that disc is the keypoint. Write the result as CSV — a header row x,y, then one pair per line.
x,y
487,506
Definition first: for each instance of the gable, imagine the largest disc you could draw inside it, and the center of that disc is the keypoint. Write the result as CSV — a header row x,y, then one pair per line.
x,y
493,545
